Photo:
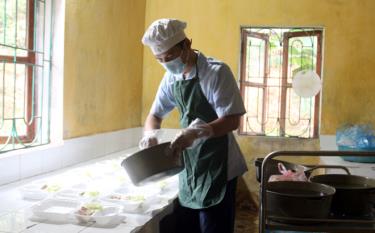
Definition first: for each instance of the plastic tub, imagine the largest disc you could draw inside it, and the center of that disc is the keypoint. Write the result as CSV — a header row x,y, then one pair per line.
x,y
357,159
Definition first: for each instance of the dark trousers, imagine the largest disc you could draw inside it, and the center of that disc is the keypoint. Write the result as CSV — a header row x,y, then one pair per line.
x,y
215,219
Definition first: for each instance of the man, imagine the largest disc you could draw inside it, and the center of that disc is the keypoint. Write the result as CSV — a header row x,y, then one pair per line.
x,y
210,106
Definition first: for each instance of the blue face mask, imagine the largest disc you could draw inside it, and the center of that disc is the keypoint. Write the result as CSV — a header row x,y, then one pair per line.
x,y
176,66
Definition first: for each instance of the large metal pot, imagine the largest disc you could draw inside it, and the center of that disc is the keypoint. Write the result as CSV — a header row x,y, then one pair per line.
x,y
299,199
152,164
355,195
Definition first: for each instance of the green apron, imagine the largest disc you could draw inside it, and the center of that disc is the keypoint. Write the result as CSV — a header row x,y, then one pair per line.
x,y
203,181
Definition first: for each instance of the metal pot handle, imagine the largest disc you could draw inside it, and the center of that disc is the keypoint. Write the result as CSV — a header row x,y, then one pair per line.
x,y
310,170
372,197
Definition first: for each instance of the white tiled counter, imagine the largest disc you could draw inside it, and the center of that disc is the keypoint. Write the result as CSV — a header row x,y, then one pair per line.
x,y
328,142
16,214
359,169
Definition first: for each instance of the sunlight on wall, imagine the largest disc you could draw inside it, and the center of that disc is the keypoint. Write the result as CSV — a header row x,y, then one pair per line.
x,y
103,66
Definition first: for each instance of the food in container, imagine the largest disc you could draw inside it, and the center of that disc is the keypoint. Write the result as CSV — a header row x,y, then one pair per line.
x,y
39,190
77,194
84,213
150,193
100,214
89,209
135,198
51,187
90,194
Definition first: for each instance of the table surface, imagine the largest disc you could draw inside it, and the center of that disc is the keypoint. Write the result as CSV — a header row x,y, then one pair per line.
x,y
16,214
360,169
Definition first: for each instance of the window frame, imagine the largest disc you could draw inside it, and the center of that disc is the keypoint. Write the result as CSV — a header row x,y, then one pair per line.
x,y
245,35
28,61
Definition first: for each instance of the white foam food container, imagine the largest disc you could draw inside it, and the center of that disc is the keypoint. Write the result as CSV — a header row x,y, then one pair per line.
x,y
110,215
107,215
40,189
129,203
150,195
55,210
33,192
74,194
146,191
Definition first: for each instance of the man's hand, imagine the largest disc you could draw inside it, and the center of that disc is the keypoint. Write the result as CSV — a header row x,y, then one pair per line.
x,y
195,133
149,139
151,132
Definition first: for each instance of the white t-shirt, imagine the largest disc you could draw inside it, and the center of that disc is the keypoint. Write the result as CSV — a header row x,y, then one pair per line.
x,y
220,89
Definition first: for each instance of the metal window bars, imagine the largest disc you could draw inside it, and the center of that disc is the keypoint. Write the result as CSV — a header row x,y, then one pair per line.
x,y
25,65
270,57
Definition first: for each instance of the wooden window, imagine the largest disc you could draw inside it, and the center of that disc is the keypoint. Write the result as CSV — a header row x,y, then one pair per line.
x,y
270,57
24,72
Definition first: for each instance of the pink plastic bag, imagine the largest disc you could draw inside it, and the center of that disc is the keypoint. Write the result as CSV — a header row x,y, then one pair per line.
x,y
288,175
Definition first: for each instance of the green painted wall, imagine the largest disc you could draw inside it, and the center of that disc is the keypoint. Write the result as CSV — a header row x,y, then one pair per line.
x,y
103,66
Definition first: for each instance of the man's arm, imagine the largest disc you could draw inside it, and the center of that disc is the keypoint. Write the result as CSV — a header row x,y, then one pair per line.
x,y
149,138
216,128
152,122
225,124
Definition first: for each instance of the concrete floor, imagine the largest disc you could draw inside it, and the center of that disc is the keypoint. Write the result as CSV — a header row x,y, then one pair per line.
x,y
246,220
246,210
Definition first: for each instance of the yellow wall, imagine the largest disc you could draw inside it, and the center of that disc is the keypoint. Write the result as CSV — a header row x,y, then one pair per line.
x,y
103,65
110,81
349,57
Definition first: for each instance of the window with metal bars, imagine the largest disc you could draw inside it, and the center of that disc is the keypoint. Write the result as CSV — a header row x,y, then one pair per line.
x,y
270,58
25,64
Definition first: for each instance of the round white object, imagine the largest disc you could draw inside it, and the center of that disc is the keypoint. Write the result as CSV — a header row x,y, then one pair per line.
x,y
306,83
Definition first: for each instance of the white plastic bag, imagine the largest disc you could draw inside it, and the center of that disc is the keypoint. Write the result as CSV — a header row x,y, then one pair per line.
x,y
202,129
288,175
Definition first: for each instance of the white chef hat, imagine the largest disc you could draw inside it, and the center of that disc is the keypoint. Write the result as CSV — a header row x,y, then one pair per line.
x,y
163,34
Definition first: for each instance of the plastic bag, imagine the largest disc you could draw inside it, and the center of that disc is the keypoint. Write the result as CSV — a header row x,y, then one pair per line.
x,y
288,175
204,131
356,137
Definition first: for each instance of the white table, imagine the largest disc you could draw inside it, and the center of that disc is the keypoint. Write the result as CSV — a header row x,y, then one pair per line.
x,y
16,215
359,169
